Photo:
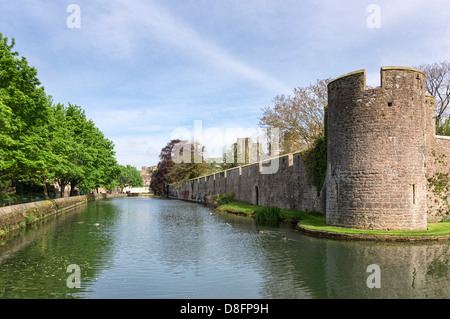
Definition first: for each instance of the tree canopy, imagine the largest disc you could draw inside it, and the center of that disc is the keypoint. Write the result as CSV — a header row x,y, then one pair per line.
x,y
129,176
173,170
43,142
299,117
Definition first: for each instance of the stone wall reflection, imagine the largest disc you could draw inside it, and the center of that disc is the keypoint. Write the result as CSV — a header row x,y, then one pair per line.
x,y
407,271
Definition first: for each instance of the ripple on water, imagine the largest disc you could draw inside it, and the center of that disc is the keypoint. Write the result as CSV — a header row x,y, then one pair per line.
x,y
152,248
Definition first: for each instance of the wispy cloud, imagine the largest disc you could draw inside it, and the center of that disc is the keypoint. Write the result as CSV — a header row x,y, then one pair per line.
x,y
125,28
142,68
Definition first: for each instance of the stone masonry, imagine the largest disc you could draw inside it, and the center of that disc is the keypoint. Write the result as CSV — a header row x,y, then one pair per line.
x,y
379,148
386,169
287,188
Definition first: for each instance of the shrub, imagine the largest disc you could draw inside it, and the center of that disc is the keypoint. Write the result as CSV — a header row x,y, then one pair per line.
x,y
223,199
30,219
315,161
267,214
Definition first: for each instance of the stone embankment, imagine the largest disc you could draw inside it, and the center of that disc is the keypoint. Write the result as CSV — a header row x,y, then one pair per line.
x,y
374,238
16,216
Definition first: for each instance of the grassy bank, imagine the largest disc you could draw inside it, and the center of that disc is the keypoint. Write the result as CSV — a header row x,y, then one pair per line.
x,y
316,222
319,224
249,210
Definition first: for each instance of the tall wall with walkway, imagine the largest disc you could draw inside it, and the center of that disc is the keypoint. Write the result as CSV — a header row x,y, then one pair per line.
x,y
386,168
286,187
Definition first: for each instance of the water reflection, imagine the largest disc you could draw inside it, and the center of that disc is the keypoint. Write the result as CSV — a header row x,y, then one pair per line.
x,y
34,261
156,248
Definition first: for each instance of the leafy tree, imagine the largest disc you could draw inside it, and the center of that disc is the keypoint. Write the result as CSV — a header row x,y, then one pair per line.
x,y
160,177
299,118
444,128
69,145
24,109
7,144
42,142
191,167
169,171
106,168
85,158
129,176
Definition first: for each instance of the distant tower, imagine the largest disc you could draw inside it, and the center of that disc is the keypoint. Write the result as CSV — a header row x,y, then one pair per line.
x,y
246,151
376,151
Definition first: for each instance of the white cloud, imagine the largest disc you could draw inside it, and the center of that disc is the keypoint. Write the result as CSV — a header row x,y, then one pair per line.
x,y
138,151
141,68
126,28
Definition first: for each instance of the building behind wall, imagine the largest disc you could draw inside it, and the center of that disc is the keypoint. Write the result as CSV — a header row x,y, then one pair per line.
x,y
386,168
146,174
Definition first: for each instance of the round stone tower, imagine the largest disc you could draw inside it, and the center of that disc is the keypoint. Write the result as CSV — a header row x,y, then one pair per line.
x,y
376,151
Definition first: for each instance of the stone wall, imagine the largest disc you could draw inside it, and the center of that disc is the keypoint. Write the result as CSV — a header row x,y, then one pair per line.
x,y
438,178
12,217
377,151
386,169
287,188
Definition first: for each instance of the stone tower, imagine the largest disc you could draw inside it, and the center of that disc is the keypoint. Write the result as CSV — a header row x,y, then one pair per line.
x,y
377,148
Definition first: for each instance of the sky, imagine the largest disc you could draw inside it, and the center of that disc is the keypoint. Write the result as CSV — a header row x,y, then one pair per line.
x,y
149,71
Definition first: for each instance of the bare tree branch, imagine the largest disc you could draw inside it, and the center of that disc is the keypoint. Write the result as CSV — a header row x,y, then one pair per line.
x,y
438,85
299,117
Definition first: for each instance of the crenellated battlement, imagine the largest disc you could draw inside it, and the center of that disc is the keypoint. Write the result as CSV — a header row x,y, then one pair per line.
x,y
385,166
391,77
287,187
377,150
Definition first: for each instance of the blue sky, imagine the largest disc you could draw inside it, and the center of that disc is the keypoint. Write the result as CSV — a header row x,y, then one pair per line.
x,y
142,69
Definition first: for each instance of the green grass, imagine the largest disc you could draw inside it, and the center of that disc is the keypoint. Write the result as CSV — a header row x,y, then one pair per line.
x,y
317,221
267,214
238,207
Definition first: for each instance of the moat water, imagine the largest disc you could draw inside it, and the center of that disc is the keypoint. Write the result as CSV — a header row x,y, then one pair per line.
x,y
157,248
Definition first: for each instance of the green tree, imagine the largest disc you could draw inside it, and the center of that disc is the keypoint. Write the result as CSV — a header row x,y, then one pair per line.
x,y
299,117
194,164
42,142
129,176
24,109
85,157
7,145
106,169
184,167
70,124
443,128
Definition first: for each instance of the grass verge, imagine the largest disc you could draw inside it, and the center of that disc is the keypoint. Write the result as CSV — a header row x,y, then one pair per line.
x,y
316,221
319,224
243,208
